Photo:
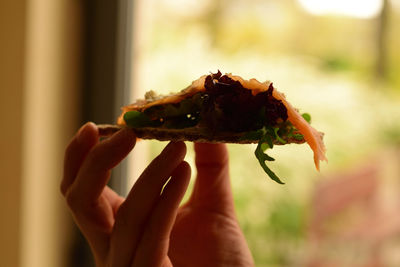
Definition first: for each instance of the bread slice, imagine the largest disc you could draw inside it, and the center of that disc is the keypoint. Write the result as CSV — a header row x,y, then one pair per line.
x,y
193,134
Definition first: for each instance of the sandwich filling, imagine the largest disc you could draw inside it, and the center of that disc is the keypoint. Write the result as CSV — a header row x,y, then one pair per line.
x,y
224,106
217,105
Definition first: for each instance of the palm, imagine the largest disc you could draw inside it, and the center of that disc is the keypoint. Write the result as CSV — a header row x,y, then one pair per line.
x,y
103,213
201,237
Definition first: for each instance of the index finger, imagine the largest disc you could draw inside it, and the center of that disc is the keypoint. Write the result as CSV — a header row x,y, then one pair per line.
x,y
95,170
76,153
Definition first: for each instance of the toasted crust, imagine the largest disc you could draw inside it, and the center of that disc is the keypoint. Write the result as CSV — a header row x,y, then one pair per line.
x,y
188,134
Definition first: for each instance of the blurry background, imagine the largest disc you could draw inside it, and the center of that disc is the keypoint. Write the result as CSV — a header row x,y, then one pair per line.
x,y
66,62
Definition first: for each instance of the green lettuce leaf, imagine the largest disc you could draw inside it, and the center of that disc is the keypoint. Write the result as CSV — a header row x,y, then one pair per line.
x,y
307,117
137,119
276,129
265,143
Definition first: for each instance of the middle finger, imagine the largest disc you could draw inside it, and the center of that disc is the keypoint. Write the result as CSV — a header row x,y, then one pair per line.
x,y
138,206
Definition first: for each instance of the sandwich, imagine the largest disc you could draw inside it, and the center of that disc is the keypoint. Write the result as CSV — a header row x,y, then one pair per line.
x,y
223,108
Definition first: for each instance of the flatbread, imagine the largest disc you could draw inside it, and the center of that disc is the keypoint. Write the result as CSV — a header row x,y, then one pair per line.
x,y
194,134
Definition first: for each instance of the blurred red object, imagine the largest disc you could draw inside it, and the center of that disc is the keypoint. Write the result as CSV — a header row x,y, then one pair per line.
x,y
348,224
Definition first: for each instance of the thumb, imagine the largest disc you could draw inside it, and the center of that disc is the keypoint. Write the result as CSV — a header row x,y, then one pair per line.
x,y
212,189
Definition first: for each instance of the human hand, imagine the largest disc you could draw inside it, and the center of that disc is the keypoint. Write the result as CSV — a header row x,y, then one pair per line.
x,y
123,232
136,231
206,230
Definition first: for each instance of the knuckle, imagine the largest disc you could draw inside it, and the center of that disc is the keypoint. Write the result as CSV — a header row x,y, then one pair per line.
x,y
63,188
72,199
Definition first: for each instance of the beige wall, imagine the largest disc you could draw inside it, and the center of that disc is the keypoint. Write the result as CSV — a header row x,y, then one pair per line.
x,y
12,36
39,82
50,112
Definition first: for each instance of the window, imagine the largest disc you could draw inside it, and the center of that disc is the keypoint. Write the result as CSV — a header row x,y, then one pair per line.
x,y
324,64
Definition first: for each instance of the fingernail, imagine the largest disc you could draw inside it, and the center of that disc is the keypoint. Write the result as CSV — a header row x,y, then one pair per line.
x,y
84,132
172,146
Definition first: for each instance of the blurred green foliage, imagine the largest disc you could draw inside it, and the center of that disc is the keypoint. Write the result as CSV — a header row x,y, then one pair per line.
x,y
287,219
326,65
